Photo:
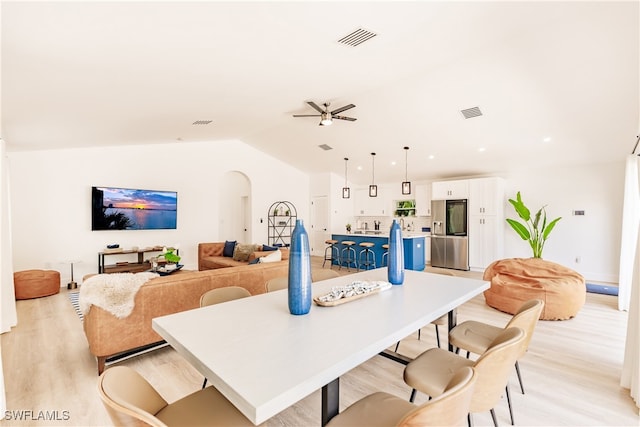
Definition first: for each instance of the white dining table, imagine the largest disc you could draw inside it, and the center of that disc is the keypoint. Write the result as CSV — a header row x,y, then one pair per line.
x,y
264,359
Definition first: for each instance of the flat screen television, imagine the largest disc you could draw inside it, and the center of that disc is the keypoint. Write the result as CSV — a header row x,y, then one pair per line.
x,y
129,209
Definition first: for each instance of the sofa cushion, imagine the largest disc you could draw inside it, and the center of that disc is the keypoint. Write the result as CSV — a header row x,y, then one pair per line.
x,y
274,256
229,247
266,248
242,251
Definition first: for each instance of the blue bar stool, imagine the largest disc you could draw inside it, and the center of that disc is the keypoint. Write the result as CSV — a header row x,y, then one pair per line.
x,y
348,254
385,255
366,257
331,253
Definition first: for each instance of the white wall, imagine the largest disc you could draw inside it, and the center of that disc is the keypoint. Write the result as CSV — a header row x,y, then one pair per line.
x,y
594,237
51,198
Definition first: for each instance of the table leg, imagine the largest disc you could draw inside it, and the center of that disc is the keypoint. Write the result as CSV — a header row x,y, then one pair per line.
x,y
452,318
330,401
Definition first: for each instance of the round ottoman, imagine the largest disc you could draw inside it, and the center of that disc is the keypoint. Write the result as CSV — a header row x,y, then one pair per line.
x,y
516,280
36,283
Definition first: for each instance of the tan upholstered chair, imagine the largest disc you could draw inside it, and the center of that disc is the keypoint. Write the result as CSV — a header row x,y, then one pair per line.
x,y
131,401
220,295
475,337
431,371
382,409
279,283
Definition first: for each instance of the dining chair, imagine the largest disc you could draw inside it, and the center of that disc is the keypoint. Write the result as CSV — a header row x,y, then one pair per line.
x,y
131,401
475,337
432,370
440,321
220,295
381,409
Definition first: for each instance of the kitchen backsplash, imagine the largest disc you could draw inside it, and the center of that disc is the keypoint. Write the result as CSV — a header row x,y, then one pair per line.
x,y
411,224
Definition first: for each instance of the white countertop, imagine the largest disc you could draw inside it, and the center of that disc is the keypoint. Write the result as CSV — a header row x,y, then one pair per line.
x,y
405,234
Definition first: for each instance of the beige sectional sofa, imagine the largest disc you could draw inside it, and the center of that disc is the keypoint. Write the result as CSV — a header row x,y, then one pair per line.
x,y
210,256
110,336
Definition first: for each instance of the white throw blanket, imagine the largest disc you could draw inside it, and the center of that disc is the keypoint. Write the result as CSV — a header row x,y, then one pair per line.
x,y
112,292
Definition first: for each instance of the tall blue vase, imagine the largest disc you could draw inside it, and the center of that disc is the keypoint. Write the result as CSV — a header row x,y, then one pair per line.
x,y
396,255
299,271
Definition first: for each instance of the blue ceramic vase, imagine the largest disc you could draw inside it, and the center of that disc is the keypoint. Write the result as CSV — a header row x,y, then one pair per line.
x,y
299,271
396,255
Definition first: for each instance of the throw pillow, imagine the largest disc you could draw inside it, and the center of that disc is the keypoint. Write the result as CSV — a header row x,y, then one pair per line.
x,y
274,257
254,261
269,248
229,246
242,251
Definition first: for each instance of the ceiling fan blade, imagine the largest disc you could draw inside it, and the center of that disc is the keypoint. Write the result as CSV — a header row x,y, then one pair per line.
x,y
315,106
351,119
306,115
341,109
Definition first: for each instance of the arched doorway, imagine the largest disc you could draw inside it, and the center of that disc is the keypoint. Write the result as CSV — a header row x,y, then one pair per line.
x,y
235,207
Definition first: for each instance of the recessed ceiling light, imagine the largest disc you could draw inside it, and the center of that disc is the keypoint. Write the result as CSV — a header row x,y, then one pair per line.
x,y
547,139
431,157
359,168
481,149
393,163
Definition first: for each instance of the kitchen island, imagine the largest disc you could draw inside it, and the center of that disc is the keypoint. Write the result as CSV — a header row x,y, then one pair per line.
x,y
413,248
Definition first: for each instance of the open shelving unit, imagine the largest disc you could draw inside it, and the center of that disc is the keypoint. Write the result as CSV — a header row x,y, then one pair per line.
x,y
281,221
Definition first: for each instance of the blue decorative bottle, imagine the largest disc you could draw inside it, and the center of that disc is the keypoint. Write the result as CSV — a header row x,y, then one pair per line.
x,y
299,271
396,255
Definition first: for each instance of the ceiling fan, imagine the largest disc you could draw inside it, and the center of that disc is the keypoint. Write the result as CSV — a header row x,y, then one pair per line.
x,y
326,116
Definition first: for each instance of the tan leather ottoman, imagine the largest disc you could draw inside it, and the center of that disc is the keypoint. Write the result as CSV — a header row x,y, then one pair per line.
x,y
516,280
36,283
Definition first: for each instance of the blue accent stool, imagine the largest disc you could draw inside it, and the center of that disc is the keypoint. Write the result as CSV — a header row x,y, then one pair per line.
x,y
396,255
299,290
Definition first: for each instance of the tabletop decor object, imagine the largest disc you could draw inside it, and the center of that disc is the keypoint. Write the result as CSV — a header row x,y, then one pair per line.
x,y
354,290
396,255
299,271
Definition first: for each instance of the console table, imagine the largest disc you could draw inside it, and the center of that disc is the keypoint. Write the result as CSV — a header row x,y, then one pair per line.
x,y
126,267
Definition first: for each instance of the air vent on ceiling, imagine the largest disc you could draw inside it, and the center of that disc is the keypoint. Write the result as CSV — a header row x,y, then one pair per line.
x,y
325,147
471,112
357,37
202,122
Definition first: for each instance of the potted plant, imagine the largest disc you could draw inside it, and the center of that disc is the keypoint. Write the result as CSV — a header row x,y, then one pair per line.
x,y
535,230
348,228
171,258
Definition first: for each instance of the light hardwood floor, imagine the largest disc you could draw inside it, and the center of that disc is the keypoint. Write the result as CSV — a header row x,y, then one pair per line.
x,y
571,372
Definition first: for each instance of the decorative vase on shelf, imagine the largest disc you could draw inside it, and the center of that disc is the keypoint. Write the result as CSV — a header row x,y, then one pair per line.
x,y
299,271
396,255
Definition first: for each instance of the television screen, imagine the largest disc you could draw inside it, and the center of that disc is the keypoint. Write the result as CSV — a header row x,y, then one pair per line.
x,y
129,209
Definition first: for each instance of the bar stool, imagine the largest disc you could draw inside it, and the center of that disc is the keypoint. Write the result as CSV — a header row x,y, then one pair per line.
x,y
331,253
348,254
366,257
385,255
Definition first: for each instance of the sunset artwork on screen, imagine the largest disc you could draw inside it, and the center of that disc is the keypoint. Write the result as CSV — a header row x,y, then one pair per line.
x,y
131,209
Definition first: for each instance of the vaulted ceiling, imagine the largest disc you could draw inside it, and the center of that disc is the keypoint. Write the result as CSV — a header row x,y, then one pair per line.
x,y
557,83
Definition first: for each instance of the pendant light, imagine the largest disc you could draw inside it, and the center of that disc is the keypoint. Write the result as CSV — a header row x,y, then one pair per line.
x,y
406,185
373,188
346,192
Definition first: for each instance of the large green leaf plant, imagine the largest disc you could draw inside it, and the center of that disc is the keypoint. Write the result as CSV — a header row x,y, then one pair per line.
x,y
535,230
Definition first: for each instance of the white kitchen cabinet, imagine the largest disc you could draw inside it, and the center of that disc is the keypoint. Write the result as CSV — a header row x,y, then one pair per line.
x,y
486,196
486,241
371,206
423,200
444,190
486,222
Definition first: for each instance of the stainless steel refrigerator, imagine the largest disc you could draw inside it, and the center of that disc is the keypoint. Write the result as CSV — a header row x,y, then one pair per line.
x,y
449,240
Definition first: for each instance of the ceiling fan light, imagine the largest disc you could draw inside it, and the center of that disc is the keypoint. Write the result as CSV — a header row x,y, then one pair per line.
x,y
325,119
